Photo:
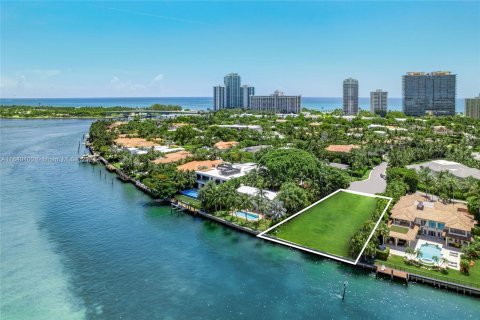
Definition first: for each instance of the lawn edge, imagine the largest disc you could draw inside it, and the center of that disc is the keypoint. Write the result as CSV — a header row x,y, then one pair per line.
x,y
263,235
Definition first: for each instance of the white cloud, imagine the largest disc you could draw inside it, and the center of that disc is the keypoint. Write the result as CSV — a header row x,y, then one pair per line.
x,y
125,87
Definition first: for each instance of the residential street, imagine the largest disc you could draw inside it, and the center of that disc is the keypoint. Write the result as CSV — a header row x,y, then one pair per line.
x,y
374,184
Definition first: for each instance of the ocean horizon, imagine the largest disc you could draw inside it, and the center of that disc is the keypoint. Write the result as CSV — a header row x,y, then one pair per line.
x,y
193,103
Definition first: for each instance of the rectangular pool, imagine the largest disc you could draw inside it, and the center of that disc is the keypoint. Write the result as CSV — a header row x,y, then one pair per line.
x,y
192,193
247,215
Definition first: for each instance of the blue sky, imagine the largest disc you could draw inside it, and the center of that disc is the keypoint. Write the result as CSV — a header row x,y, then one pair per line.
x,y
118,49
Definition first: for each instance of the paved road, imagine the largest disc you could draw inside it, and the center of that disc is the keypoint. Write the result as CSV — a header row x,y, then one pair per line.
x,y
374,184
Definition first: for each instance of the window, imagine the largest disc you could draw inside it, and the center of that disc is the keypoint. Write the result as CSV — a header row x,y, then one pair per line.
x,y
432,224
457,231
441,226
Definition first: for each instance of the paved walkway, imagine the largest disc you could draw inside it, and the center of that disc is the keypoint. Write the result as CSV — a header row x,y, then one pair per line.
x,y
374,184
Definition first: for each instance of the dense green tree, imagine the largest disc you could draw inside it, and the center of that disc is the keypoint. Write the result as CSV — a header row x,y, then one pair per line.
x,y
409,176
293,197
282,165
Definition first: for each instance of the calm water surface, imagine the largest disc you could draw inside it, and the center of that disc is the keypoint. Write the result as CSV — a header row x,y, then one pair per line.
x,y
194,103
77,243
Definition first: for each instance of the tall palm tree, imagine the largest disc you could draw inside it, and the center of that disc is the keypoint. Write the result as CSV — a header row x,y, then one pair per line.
x,y
276,210
426,178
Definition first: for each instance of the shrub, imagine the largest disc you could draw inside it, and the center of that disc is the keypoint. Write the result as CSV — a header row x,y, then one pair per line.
x,y
464,266
476,231
383,254
409,176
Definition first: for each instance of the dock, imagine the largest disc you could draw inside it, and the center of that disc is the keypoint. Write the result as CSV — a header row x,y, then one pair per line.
x,y
89,158
392,273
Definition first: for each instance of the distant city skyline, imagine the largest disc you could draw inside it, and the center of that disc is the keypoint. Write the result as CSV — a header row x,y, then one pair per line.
x,y
176,49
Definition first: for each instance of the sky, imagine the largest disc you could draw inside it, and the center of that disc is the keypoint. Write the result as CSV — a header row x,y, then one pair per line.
x,y
183,49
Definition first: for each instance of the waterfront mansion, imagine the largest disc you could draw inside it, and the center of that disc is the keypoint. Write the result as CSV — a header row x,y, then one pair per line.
x,y
414,215
222,172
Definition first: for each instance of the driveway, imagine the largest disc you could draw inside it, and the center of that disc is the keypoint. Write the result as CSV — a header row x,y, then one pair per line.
x,y
374,184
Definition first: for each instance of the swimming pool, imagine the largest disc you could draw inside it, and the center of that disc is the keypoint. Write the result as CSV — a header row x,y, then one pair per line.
x,y
192,193
428,251
247,215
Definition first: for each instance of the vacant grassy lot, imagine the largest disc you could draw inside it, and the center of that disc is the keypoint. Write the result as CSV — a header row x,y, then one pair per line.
x,y
328,226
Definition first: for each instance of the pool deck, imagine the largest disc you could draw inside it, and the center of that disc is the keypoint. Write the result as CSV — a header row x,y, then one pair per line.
x,y
453,255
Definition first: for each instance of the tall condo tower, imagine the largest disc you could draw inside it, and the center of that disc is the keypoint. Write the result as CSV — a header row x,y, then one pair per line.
x,y
218,97
276,103
378,102
247,92
472,107
233,94
350,96
429,93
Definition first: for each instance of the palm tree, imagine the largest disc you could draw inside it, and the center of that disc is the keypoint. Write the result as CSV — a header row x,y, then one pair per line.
x,y
244,202
426,178
276,210
383,231
435,259
410,251
443,261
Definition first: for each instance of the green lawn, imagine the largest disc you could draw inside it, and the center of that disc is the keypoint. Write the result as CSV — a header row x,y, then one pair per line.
x,y
328,226
190,201
473,279
399,229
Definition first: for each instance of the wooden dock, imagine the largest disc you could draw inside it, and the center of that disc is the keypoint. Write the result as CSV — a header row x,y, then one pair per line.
x,y
392,273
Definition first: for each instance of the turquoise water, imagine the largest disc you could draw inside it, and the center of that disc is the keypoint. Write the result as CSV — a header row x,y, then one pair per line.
x,y
195,103
76,243
429,251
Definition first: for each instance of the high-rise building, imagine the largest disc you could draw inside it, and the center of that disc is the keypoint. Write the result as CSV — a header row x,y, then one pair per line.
x,y
233,94
472,107
350,96
218,97
378,102
247,92
429,93
276,103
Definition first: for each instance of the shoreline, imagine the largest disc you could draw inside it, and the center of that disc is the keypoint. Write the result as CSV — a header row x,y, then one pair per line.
x,y
411,277
50,118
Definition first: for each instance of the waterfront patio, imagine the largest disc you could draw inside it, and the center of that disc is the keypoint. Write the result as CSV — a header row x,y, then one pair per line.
x,y
452,254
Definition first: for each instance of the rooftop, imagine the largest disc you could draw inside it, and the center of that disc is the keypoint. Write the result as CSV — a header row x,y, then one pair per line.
x,y
341,147
135,142
252,191
452,215
409,235
240,126
173,157
199,165
222,145
457,169
228,171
